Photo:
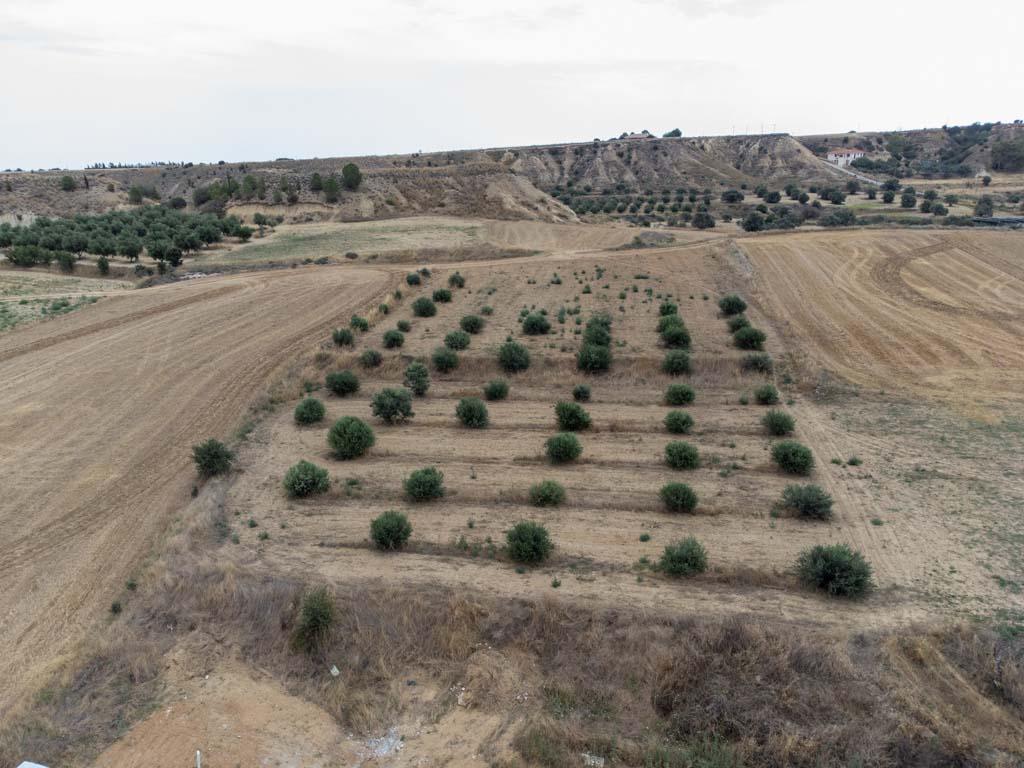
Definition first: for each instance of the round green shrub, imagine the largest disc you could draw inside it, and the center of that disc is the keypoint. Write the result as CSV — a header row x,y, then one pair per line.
x,y
444,359
456,280
594,358
571,417
413,278
748,337
682,455
350,438
761,362
359,323
778,423
808,501
766,394
212,458
390,530
676,337
535,324
676,362
417,378
305,479
404,326
669,321
486,310
513,357
472,412
472,323
496,389
425,484
393,405
668,308
678,422
736,322
442,295
684,558
456,340
424,307
343,337
547,493
371,358
342,383
563,447
528,543
793,458
679,394
679,497
597,333
393,339
309,411
836,569
581,393
316,615
732,305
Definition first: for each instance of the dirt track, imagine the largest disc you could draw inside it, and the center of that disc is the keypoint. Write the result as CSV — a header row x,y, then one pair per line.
x,y
86,487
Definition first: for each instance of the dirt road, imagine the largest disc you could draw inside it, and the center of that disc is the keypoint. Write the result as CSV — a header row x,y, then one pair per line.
x,y
98,411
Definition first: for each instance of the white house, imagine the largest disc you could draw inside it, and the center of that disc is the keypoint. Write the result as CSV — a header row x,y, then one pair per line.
x,y
843,157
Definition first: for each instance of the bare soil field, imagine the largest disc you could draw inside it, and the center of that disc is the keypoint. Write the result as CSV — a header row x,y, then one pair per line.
x,y
99,411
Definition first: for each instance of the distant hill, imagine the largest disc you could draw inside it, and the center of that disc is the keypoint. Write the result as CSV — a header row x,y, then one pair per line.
x,y
532,182
504,183
947,152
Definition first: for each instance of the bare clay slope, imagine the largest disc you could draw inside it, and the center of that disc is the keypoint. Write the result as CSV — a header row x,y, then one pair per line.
x,y
658,164
98,412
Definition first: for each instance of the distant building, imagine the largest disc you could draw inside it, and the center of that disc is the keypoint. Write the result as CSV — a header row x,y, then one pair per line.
x,y
843,157
641,135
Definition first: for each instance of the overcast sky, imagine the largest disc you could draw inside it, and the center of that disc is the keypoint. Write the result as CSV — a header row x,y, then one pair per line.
x,y
205,80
